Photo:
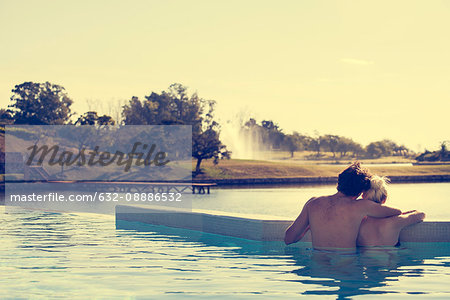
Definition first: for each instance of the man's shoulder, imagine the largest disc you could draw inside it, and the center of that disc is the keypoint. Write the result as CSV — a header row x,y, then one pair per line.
x,y
312,203
319,198
319,202
315,200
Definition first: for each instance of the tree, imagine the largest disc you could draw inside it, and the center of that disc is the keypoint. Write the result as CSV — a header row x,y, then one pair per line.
x,y
331,142
40,104
272,134
357,149
375,149
344,146
206,144
347,145
175,106
444,147
314,145
385,148
440,155
292,143
89,135
6,117
91,118
443,152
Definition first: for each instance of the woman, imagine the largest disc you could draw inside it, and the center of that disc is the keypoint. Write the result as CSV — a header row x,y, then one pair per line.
x,y
383,231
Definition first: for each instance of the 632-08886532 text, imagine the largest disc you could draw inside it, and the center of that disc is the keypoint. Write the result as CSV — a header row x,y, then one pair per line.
x,y
102,197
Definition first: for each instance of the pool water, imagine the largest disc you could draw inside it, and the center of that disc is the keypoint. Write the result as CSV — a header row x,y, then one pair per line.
x,y
76,255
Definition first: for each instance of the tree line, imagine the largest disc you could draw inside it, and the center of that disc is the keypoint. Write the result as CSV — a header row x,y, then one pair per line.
x,y
443,154
273,137
49,104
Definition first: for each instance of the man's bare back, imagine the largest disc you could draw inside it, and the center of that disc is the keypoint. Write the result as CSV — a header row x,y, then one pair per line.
x,y
334,220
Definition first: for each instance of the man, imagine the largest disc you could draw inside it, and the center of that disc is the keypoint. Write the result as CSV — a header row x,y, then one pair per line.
x,y
334,220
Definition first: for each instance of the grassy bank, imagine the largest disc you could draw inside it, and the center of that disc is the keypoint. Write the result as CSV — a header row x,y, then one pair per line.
x,y
309,157
237,169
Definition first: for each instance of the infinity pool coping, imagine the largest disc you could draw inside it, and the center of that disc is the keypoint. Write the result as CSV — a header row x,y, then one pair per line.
x,y
252,226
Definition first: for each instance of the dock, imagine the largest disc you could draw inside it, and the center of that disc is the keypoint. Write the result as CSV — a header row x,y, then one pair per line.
x,y
125,186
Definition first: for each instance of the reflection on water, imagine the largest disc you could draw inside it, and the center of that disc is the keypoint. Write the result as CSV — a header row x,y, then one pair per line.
x,y
84,255
370,271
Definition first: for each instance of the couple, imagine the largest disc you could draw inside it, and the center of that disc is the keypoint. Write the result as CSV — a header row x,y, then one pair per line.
x,y
342,222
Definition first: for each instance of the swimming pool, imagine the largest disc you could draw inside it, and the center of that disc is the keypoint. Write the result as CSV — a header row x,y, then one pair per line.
x,y
75,255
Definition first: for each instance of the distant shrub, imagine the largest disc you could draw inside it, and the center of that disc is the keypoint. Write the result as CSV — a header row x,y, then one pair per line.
x,y
21,133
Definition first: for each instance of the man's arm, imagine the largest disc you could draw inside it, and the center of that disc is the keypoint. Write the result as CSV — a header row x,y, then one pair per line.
x,y
409,218
377,210
299,227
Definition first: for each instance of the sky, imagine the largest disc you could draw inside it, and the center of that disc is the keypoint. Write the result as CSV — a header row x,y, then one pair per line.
x,y
368,70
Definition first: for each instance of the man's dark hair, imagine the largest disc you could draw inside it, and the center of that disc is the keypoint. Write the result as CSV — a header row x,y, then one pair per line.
x,y
354,180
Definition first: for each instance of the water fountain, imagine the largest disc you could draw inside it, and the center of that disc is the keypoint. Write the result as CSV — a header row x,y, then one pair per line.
x,y
245,142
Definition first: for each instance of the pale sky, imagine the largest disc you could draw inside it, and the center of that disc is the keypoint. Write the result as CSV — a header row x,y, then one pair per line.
x,y
363,69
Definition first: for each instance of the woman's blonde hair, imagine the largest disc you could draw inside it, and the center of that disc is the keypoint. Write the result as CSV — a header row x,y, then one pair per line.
x,y
378,189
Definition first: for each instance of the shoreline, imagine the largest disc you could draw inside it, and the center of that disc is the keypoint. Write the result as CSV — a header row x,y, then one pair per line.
x,y
319,180
241,172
